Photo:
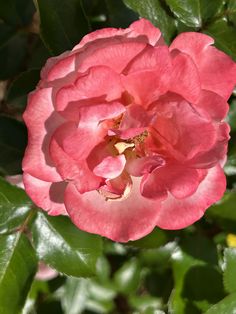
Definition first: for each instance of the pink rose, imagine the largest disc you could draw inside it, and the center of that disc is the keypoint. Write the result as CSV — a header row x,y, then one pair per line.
x,y
126,133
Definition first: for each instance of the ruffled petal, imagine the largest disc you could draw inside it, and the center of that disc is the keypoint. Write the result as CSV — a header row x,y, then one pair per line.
x,y
178,214
110,167
217,70
119,220
46,195
41,120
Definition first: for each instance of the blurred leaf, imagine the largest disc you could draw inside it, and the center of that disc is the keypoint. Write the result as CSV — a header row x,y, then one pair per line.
x,y
6,32
223,213
194,12
231,11
224,35
142,303
119,14
225,306
18,266
14,206
17,12
63,24
12,55
128,276
154,239
103,269
13,140
64,247
21,86
39,55
75,295
195,262
230,269
157,13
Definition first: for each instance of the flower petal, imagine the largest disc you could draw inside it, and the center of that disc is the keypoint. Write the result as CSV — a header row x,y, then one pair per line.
x,y
177,214
110,167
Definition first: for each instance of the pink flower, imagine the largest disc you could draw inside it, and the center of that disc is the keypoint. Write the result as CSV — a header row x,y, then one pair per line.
x,y
126,133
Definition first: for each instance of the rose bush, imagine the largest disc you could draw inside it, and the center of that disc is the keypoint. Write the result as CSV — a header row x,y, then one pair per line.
x,y
126,133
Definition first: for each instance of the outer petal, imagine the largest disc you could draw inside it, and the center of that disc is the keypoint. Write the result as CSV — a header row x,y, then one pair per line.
x,y
145,27
41,120
177,214
120,220
46,195
217,70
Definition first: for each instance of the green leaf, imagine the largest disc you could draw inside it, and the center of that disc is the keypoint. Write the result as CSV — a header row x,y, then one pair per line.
x,y
17,12
6,32
193,12
230,270
224,35
195,262
223,213
13,140
155,239
231,11
14,206
157,13
63,24
225,306
18,266
127,278
12,56
21,86
119,14
64,247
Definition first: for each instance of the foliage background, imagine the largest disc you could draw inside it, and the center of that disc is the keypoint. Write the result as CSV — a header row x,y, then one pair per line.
x,y
181,272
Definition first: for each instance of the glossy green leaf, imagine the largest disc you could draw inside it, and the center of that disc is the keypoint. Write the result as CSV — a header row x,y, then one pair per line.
x,y
13,140
63,24
224,35
157,13
195,262
14,206
225,306
230,269
119,14
18,266
223,213
128,276
21,86
12,56
155,239
193,12
64,247
142,303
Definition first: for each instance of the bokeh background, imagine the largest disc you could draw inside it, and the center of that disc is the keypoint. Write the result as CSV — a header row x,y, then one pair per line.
x,y
191,271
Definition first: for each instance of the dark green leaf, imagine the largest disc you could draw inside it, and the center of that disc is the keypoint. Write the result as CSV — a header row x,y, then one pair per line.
x,y
21,86
224,35
225,306
232,115
17,12
6,32
12,56
157,13
64,247
195,262
155,239
193,12
119,14
14,206
231,11
18,266
63,24
128,276
230,269
223,213
13,140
